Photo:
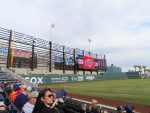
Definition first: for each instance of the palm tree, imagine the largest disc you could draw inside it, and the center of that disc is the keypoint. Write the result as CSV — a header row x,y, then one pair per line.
x,y
135,66
140,67
144,67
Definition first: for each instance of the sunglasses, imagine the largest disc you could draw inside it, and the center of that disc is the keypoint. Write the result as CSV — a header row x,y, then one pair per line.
x,y
50,95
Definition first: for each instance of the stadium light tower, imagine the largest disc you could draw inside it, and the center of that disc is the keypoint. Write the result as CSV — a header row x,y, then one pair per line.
x,y
52,26
89,40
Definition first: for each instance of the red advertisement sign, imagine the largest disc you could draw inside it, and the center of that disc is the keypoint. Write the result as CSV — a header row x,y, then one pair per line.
x,y
22,54
88,63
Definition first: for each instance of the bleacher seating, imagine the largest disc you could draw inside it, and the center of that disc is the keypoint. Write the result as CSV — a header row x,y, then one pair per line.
x,y
70,105
6,77
73,106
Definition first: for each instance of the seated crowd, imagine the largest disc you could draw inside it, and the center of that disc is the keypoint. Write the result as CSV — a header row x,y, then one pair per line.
x,y
18,98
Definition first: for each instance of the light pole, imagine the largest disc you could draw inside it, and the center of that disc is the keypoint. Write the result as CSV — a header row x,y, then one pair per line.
x,y
50,43
89,40
52,26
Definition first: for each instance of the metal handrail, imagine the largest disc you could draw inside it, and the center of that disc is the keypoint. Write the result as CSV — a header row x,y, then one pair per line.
x,y
16,76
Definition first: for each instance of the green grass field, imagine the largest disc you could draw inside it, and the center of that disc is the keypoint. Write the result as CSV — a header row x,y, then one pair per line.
x,y
131,90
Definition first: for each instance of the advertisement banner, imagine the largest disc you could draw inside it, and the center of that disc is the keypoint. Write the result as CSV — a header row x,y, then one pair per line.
x,y
80,61
69,61
90,77
22,54
3,51
58,59
36,80
57,79
42,58
88,63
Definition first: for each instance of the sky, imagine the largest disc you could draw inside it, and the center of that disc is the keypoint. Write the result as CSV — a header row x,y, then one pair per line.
x,y
120,29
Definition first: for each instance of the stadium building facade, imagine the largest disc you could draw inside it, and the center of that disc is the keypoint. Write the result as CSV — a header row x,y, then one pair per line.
x,y
26,54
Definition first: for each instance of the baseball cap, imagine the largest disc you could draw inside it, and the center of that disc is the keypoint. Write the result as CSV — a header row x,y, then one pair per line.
x,y
33,94
23,86
16,87
28,88
2,103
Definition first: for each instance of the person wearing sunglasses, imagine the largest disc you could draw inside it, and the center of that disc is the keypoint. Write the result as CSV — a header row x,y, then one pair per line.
x,y
94,108
44,102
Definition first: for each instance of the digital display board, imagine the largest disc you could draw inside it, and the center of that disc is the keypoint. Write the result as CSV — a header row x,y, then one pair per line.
x,y
88,63
85,62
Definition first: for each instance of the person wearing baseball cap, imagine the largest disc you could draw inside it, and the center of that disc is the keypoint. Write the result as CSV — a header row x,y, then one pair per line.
x,y
32,97
22,98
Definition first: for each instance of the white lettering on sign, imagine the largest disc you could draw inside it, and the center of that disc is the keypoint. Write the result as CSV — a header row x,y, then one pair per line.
x,y
90,77
35,80
80,78
55,78
74,79
65,78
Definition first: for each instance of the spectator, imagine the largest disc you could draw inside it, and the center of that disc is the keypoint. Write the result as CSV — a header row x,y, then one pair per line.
x,y
129,109
119,109
94,108
28,107
105,111
19,90
3,107
16,87
4,84
45,100
62,93
84,107
12,95
22,88
1,98
22,98
16,90
7,88
65,91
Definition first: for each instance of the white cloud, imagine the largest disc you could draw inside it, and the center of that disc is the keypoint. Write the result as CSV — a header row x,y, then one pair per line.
x,y
118,28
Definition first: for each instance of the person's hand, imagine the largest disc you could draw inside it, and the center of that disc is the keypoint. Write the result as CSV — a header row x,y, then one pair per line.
x,y
54,103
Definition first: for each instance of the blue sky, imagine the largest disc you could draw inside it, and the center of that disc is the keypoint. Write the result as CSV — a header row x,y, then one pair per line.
x,y
118,28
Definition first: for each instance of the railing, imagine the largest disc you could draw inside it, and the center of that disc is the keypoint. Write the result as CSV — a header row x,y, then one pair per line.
x,y
15,76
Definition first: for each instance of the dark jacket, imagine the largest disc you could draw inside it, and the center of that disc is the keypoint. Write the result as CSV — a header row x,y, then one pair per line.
x,y
96,110
20,101
45,109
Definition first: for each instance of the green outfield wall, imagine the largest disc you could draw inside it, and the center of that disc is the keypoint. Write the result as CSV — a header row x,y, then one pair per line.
x,y
51,79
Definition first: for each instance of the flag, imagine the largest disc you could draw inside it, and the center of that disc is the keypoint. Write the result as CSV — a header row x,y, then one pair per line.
x,y
12,49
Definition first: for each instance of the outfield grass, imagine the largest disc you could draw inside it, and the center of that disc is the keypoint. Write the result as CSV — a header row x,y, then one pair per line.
x,y
131,90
